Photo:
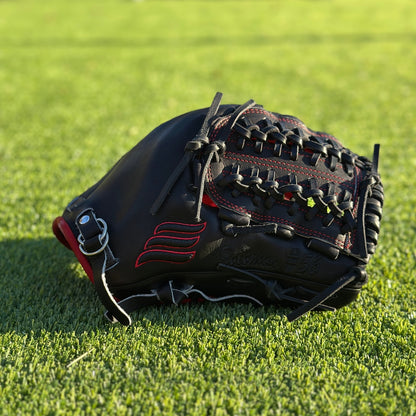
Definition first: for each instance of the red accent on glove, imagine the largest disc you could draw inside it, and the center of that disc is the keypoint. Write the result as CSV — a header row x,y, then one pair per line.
x,y
64,234
206,200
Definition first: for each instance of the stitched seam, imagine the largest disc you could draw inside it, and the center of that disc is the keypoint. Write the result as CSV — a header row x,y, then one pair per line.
x,y
258,161
199,228
227,172
302,229
217,128
280,118
285,150
291,121
149,243
286,204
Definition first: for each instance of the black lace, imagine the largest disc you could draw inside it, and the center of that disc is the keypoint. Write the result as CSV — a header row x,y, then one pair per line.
x,y
200,141
210,152
309,197
267,191
274,291
294,140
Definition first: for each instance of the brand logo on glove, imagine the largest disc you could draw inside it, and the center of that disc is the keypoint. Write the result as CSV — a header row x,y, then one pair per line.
x,y
171,243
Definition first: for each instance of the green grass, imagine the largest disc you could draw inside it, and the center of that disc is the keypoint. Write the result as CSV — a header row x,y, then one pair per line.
x,y
80,83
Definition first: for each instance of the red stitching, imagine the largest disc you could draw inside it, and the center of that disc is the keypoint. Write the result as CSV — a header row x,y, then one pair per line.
x,y
280,117
138,264
194,239
218,127
257,161
251,195
297,123
302,229
157,233
285,150
202,226
226,172
326,176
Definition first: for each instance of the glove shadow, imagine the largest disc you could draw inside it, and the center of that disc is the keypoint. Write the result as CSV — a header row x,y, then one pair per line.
x,y
44,289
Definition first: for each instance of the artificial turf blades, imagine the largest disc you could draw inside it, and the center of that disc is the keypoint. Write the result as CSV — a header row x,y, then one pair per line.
x,y
80,83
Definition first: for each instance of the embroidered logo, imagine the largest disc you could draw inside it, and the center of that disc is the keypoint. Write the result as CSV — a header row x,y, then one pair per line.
x,y
171,242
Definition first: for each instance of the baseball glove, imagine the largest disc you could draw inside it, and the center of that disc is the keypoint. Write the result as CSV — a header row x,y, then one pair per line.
x,y
229,203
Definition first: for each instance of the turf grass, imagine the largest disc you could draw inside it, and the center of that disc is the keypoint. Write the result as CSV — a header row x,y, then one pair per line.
x,y
80,83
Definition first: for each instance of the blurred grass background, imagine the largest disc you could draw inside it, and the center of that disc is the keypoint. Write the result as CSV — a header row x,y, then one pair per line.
x,y
80,83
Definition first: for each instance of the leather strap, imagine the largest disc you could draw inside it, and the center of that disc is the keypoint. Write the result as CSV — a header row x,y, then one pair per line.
x,y
93,242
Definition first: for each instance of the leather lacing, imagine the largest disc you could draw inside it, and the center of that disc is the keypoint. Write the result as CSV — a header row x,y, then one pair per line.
x,y
200,146
311,198
294,140
373,215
